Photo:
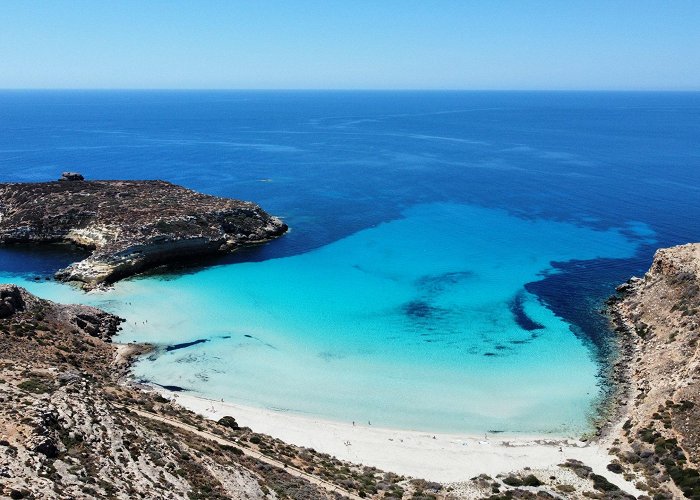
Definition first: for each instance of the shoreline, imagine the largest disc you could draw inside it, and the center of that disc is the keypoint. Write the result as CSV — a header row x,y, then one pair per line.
x,y
656,319
626,448
160,224
446,458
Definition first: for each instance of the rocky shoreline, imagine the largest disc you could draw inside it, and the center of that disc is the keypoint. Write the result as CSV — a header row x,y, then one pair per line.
x,y
128,226
656,435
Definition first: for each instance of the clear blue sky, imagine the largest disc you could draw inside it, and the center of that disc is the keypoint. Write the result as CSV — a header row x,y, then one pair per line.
x,y
417,44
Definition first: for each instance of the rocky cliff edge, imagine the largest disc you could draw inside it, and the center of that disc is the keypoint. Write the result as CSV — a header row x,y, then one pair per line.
x,y
657,318
129,226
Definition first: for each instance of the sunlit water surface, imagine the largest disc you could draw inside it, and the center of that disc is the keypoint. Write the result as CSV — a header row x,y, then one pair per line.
x,y
448,255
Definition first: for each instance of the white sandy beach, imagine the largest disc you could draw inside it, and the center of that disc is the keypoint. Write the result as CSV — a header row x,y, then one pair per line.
x,y
446,458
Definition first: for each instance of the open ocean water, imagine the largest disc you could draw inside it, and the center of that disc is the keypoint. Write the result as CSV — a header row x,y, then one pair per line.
x,y
448,256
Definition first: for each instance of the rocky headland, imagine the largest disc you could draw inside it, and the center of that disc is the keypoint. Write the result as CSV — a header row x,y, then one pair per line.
x,y
657,318
128,226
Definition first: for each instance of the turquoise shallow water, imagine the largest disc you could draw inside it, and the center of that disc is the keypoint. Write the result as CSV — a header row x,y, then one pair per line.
x,y
449,252
420,322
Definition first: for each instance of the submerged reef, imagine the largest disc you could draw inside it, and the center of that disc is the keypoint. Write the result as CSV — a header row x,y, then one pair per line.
x,y
516,306
128,226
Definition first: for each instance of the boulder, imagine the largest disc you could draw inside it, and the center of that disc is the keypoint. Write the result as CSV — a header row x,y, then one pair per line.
x,y
10,301
228,421
47,447
7,309
71,176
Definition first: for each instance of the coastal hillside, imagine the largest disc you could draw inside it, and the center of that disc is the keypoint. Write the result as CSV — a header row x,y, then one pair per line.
x,y
128,226
658,319
74,425
68,429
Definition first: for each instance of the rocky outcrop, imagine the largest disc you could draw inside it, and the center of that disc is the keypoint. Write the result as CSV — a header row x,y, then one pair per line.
x,y
128,226
657,318
71,176
10,301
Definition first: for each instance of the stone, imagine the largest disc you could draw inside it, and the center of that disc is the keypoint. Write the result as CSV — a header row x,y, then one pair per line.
x,y
10,301
229,422
47,447
71,176
6,309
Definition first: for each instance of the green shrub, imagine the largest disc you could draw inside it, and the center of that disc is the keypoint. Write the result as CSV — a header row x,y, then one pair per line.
x,y
531,480
602,484
513,481
35,385
229,422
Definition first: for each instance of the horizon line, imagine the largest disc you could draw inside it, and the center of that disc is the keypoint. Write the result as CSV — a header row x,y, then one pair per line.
x,y
338,89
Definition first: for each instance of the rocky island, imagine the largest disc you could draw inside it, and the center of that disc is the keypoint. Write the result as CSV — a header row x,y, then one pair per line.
x,y
128,226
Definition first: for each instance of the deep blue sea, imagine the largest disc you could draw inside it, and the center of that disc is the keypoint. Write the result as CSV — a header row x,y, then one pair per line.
x,y
449,252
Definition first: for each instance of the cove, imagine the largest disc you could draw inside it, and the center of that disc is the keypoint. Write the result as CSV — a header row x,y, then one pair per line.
x,y
422,322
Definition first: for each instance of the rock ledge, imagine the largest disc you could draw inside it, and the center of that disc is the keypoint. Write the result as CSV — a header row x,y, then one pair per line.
x,y
129,226
657,319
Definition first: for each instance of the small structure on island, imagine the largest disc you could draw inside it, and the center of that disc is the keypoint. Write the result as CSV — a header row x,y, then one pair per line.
x,y
71,176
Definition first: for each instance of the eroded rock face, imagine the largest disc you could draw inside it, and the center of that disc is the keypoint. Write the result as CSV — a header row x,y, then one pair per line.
x,y
658,320
85,320
10,301
129,226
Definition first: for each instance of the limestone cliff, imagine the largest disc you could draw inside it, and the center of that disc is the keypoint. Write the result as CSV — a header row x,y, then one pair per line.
x,y
658,320
129,226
